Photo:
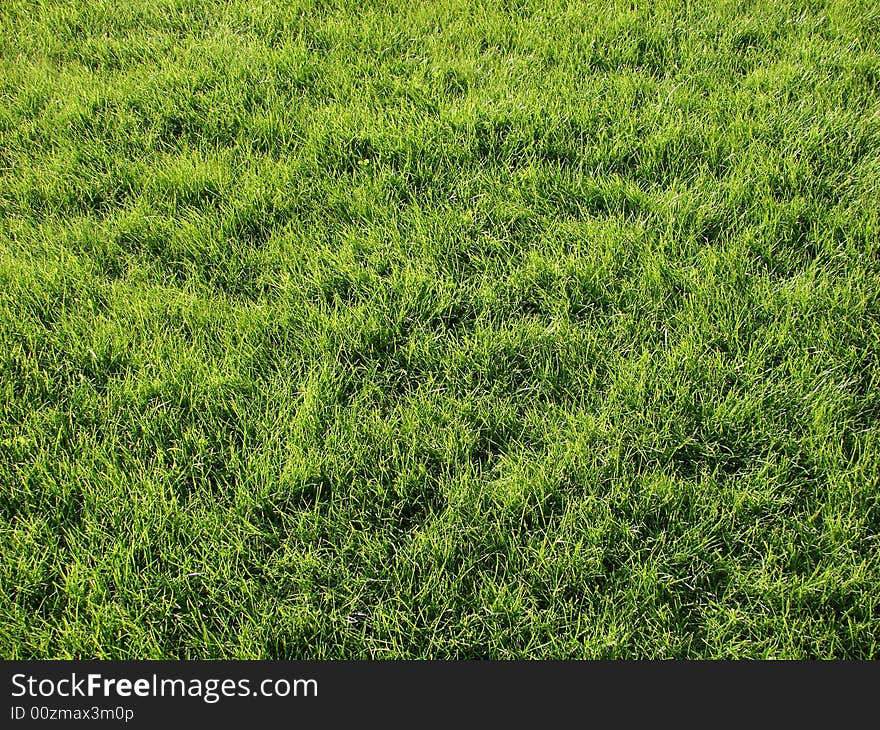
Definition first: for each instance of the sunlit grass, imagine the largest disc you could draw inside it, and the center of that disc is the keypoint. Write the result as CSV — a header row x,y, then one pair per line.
x,y
439,329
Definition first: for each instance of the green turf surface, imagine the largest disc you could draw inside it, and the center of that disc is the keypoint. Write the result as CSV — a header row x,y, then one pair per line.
x,y
439,329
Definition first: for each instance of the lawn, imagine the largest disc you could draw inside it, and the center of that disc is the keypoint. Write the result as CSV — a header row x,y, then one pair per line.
x,y
443,329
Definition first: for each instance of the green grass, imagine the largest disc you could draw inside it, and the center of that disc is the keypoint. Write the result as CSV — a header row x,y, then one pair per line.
x,y
439,329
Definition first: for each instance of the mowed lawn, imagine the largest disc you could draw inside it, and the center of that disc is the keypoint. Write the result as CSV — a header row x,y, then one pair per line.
x,y
443,329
